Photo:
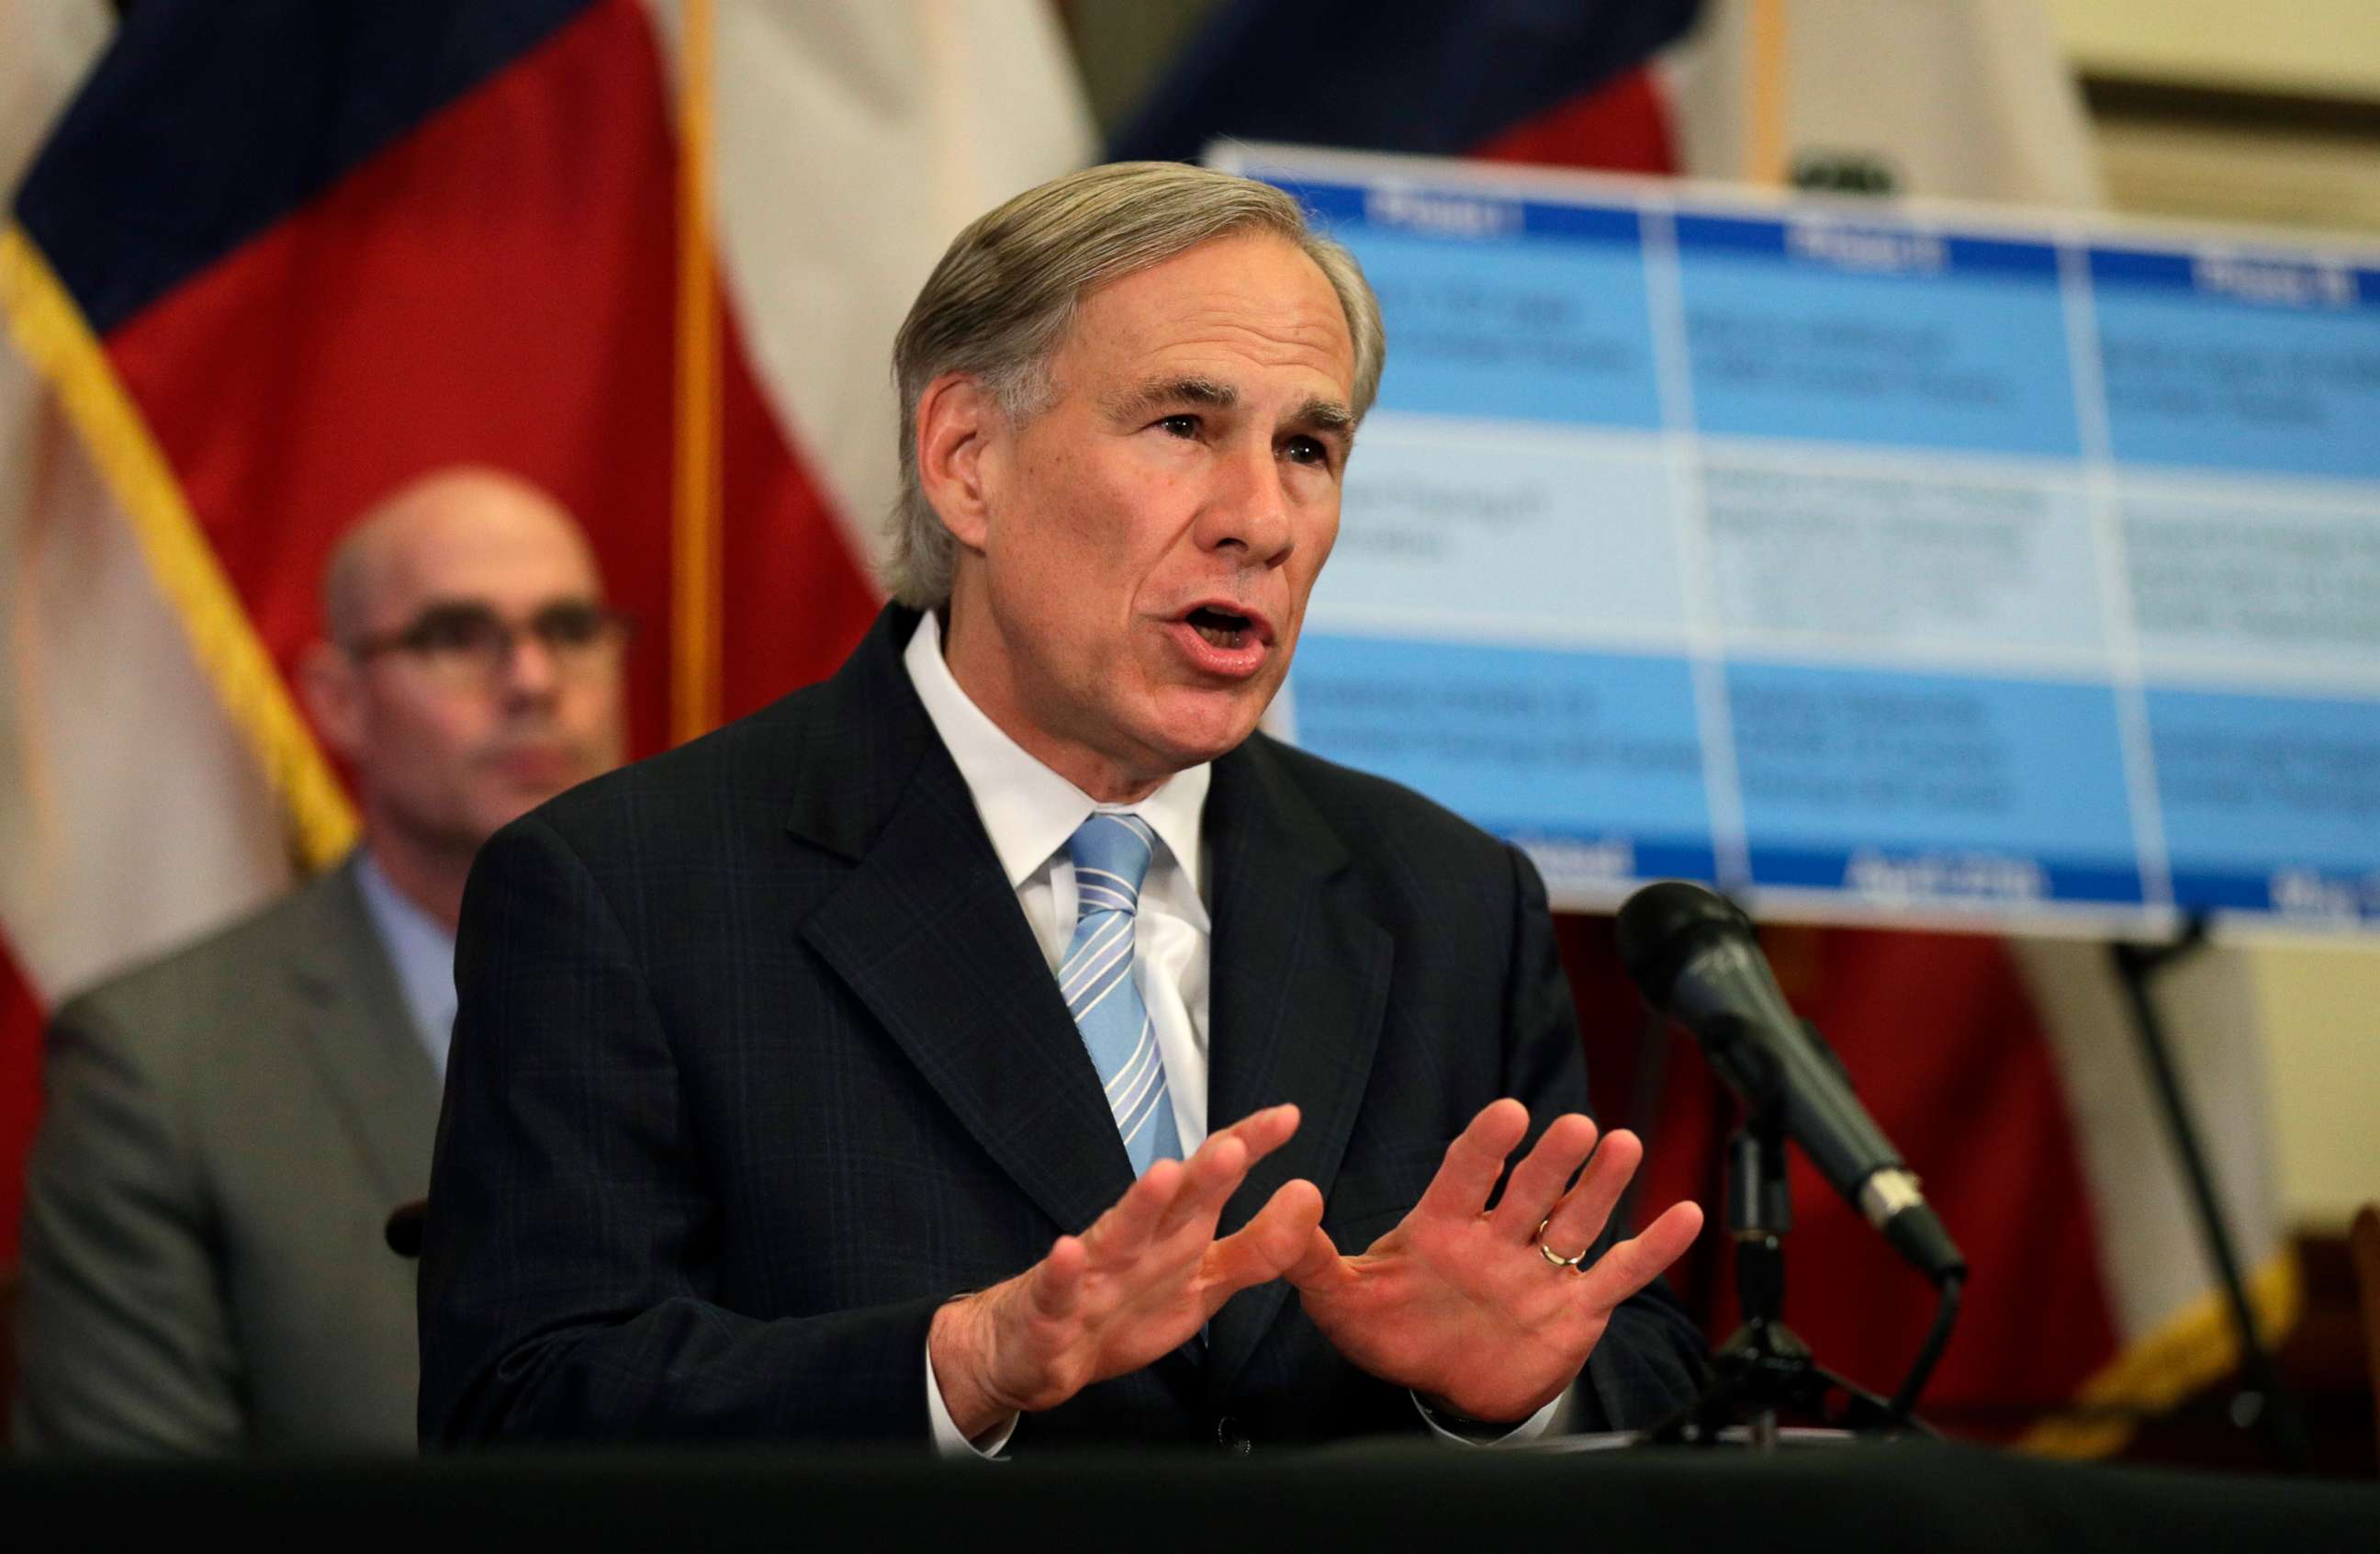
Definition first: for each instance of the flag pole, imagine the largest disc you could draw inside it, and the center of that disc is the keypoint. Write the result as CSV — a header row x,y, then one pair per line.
x,y
1765,130
695,646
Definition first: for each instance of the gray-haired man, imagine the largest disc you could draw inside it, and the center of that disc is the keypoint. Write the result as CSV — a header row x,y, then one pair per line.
x,y
987,1043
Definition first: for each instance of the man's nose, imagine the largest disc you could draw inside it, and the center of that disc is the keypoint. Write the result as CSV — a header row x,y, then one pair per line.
x,y
1249,509
530,670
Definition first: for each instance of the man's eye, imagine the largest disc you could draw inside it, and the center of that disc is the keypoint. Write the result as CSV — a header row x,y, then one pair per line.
x,y
1307,450
455,631
1180,426
570,625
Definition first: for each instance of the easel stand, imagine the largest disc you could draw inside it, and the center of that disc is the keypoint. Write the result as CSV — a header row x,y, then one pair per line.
x,y
1763,1371
2262,1402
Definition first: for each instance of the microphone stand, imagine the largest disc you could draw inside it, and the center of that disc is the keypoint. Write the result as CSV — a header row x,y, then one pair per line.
x,y
1764,1369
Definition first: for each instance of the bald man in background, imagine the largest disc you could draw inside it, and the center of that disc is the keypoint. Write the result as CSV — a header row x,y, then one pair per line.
x,y
227,1129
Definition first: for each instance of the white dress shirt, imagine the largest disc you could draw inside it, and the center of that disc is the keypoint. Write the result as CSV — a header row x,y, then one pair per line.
x,y
1030,812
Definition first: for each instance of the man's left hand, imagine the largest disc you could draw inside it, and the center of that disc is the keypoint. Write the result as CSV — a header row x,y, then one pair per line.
x,y
1458,1303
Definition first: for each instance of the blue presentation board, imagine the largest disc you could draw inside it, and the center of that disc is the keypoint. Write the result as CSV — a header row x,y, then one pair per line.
x,y
1967,565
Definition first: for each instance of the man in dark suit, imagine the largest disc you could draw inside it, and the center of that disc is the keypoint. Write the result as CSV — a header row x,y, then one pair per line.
x,y
227,1129
832,1077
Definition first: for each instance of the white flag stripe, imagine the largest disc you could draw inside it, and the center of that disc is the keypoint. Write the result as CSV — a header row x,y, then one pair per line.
x,y
50,45
100,865
855,138
1958,102
99,868
2147,1228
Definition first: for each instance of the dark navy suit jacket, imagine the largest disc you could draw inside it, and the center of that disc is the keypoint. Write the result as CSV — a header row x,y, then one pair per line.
x,y
758,1063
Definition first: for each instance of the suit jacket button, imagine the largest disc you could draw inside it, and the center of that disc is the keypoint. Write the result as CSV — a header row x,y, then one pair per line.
x,y
1232,1437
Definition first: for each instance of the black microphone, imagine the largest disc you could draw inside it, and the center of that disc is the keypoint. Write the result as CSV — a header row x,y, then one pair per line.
x,y
1693,956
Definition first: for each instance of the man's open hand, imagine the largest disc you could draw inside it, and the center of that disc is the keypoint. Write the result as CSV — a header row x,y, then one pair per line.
x,y
1458,1304
1136,1286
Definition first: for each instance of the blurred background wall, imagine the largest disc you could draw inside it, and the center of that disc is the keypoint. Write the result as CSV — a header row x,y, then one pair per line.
x,y
2268,115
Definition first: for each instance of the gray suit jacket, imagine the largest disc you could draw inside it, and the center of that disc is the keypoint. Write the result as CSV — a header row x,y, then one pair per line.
x,y
224,1134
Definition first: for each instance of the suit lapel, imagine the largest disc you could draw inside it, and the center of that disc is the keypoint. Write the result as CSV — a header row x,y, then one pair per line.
x,y
1300,980
361,1040
926,932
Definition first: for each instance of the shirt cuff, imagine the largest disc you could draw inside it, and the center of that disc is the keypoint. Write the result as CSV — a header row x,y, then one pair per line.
x,y
948,1443
1555,1418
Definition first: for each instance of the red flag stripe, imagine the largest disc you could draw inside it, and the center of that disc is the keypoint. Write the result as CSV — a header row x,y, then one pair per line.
x,y
20,1094
1621,126
495,287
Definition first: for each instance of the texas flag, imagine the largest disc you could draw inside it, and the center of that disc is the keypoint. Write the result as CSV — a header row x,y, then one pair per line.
x,y
271,259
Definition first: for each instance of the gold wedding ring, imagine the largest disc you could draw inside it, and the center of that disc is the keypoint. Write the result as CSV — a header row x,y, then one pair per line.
x,y
1549,1254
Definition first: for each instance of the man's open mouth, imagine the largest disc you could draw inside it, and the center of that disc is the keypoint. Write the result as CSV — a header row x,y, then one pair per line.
x,y
1220,627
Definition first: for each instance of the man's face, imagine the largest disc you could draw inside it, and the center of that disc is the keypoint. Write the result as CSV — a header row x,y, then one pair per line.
x,y
449,743
1149,540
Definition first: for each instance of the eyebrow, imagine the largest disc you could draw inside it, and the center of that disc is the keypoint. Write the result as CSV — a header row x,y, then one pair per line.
x,y
1327,417
1128,403
441,604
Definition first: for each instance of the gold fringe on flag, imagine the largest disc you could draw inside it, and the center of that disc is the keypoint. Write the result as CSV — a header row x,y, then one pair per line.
x,y
49,330
2192,1349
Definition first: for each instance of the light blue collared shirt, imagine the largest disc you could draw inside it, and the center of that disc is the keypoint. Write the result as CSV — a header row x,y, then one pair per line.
x,y
423,953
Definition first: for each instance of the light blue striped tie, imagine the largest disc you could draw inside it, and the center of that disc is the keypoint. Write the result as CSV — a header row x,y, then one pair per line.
x,y
1111,854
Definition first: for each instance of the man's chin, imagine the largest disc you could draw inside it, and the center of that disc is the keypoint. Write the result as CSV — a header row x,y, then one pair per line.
x,y
515,800
1202,726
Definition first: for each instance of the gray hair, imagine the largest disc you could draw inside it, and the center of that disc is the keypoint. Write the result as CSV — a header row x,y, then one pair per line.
x,y
999,305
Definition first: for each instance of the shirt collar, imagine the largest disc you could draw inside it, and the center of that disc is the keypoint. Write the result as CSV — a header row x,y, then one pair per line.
x,y
422,951
1028,809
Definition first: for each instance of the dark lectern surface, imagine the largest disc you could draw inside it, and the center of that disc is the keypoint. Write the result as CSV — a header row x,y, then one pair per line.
x,y
1863,1497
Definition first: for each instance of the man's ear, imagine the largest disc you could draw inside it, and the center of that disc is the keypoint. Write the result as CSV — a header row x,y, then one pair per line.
x,y
330,684
958,423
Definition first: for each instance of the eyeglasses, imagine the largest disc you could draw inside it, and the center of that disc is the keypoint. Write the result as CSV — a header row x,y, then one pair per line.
x,y
473,642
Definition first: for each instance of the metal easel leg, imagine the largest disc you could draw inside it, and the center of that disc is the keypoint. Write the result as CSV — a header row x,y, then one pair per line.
x,y
2262,1402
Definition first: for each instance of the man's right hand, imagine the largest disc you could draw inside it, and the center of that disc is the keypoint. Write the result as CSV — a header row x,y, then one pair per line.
x,y
1136,1286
